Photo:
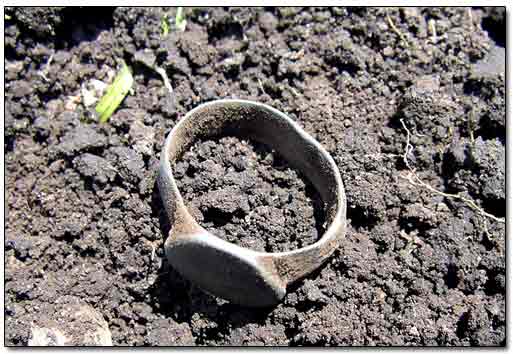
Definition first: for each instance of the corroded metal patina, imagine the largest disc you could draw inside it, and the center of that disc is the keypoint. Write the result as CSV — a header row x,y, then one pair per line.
x,y
224,269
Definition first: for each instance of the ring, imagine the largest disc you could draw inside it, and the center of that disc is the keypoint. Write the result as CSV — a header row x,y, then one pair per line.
x,y
221,268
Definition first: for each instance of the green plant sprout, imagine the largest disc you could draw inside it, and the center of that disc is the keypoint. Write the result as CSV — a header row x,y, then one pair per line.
x,y
180,21
115,93
164,25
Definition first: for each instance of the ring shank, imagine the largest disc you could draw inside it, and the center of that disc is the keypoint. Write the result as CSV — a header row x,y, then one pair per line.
x,y
259,122
269,126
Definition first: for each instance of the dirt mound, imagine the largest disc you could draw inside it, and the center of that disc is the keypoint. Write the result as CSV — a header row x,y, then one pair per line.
x,y
83,214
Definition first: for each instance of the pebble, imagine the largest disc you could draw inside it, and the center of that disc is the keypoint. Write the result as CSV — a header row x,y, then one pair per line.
x,y
21,89
142,137
146,57
96,167
42,127
388,52
427,84
70,322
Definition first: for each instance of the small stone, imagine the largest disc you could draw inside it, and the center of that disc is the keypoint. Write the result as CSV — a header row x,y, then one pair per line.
x,y
72,103
88,97
145,57
493,64
61,57
239,163
44,337
98,86
129,163
414,331
142,137
21,89
92,92
96,167
42,127
268,22
12,69
442,208
68,321
54,107
233,64
22,247
314,294
427,84
388,51
411,12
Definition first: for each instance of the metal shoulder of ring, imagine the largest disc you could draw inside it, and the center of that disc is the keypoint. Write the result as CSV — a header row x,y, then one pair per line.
x,y
224,269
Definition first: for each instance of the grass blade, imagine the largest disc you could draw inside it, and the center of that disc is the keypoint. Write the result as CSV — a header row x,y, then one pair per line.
x,y
180,21
164,25
115,94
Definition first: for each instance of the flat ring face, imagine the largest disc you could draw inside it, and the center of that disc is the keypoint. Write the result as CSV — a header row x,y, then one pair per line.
x,y
214,267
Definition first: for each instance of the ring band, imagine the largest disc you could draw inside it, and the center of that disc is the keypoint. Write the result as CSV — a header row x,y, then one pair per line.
x,y
221,268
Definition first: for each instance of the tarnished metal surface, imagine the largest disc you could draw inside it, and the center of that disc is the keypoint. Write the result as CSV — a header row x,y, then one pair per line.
x,y
224,269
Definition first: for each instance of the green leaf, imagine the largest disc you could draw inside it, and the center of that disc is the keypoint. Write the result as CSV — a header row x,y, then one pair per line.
x,y
115,94
180,21
164,25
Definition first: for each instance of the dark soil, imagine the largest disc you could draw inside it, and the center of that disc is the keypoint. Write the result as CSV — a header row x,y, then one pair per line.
x,y
234,189
83,213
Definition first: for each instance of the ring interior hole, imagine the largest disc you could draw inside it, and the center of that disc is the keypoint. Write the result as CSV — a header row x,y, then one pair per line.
x,y
246,193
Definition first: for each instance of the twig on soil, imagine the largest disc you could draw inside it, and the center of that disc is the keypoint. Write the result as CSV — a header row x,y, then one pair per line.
x,y
261,86
148,59
470,17
471,130
380,156
415,180
432,29
396,30
165,78
294,91
150,266
45,70
152,253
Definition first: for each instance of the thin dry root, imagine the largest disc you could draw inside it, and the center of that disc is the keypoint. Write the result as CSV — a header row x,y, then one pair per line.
x,y
470,17
432,29
415,180
261,86
396,30
46,69
167,83
152,252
